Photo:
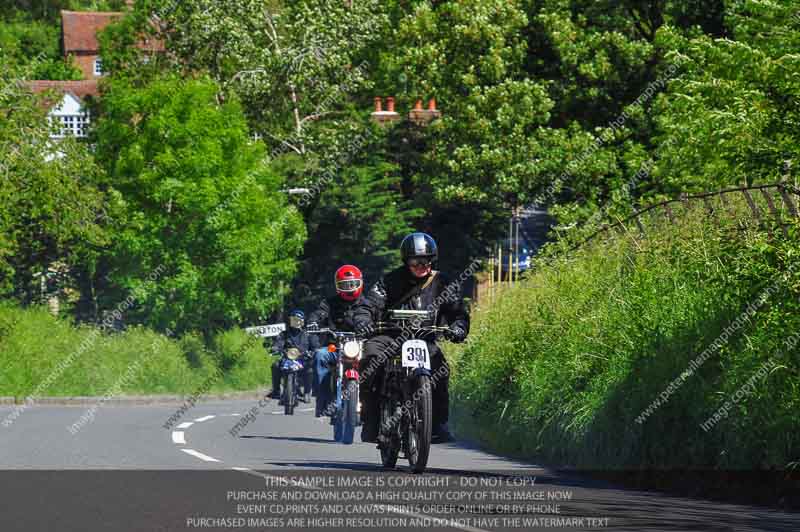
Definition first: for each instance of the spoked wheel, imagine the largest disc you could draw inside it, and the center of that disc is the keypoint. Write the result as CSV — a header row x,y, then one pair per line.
x,y
349,414
289,391
389,451
418,433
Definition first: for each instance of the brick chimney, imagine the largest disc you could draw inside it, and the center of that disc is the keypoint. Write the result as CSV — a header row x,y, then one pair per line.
x,y
423,117
384,117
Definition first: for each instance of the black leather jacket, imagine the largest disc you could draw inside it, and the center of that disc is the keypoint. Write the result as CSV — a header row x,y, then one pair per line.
x,y
440,296
291,338
332,313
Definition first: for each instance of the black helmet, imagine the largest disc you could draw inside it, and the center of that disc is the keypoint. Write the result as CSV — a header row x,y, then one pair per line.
x,y
418,245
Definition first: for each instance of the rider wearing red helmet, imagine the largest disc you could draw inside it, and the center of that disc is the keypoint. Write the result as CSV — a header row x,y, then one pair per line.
x,y
335,313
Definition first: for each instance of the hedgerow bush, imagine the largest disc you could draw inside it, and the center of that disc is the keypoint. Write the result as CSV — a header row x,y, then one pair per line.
x,y
48,356
561,366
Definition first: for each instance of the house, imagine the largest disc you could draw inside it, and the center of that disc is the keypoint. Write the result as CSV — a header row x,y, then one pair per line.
x,y
70,109
79,41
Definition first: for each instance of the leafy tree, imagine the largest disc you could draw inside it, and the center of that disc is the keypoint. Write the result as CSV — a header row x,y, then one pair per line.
x,y
733,117
200,207
34,45
50,208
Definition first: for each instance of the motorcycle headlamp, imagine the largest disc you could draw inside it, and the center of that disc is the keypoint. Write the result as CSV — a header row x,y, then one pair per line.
x,y
292,353
352,349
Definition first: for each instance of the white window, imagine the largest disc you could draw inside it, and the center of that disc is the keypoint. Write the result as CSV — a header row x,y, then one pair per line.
x,y
98,66
74,125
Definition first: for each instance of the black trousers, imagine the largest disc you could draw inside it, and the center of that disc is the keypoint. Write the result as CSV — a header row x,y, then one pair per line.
x,y
377,350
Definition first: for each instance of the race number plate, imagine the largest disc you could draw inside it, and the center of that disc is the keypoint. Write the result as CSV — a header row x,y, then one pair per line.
x,y
416,355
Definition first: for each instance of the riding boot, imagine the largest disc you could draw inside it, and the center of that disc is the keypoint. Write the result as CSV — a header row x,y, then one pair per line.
x,y
369,420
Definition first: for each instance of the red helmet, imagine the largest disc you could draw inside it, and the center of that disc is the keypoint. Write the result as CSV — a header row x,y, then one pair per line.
x,y
349,282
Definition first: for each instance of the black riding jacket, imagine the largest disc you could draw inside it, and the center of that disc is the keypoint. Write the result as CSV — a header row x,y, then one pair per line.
x,y
333,313
440,296
291,338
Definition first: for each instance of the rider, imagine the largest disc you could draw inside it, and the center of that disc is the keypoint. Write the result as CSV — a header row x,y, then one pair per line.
x,y
335,313
293,336
413,286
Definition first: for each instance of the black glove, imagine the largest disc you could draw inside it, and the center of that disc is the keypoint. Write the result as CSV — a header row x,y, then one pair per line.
x,y
456,334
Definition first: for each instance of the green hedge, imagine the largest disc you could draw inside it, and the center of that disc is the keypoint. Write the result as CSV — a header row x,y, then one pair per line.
x,y
46,356
561,366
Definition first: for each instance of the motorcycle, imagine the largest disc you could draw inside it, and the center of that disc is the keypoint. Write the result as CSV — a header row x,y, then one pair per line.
x,y
292,365
344,413
404,394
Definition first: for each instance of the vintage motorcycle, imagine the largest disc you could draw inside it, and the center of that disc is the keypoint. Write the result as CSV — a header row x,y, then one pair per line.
x,y
405,395
292,365
344,409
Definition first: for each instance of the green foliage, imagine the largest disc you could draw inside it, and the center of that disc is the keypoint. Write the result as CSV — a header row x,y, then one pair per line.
x,y
561,367
34,46
51,357
50,207
198,208
733,114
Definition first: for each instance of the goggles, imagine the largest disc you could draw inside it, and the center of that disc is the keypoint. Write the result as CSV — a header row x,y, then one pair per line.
x,y
348,285
419,261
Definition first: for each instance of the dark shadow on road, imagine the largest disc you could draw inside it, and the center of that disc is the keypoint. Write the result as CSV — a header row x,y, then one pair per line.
x,y
303,439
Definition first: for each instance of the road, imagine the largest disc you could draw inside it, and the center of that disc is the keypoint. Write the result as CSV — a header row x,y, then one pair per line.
x,y
244,465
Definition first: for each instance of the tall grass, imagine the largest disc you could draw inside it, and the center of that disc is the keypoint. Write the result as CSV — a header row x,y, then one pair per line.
x,y
560,367
52,357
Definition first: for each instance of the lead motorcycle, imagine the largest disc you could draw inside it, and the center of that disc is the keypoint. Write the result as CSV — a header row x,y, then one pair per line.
x,y
404,393
344,410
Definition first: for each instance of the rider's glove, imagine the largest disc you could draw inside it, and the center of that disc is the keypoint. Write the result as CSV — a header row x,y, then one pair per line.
x,y
456,334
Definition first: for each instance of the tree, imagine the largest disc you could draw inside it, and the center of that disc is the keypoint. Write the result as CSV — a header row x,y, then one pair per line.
x,y
200,207
50,208
732,117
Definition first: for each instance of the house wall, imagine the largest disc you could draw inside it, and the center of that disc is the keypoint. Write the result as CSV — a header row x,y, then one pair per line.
x,y
85,62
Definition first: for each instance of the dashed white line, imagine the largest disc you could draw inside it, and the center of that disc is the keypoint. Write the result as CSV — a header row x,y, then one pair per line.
x,y
177,437
185,425
201,456
204,418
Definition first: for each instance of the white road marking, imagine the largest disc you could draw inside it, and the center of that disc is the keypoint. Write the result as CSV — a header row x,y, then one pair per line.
x,y
185,425
201,456
243,469
177,437
204,418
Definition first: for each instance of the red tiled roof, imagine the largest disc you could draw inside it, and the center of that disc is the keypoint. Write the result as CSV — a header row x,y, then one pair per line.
x,y
80,29
81,89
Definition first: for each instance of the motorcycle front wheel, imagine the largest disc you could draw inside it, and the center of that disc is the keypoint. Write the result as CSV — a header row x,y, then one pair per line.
x,y
390,451
289,394
349,414
418,433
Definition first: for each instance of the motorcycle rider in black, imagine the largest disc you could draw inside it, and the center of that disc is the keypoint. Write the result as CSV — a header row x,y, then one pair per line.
x,y
336,313
293,336
413,286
